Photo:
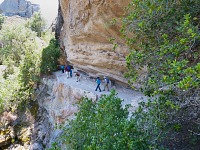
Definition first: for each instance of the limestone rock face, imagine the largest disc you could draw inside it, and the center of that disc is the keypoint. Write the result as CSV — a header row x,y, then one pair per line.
x,y
59,100
86,33
58,103
22,8
61,104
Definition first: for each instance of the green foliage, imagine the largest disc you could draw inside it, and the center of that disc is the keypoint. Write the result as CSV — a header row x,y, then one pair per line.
x,y
8,90
166,43
30,70
2,18
37,24
15,39
164,37
21,54
50,56
55,146
104,125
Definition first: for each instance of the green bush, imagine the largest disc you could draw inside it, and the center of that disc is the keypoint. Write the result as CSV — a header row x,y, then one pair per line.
x,y
164,37
8,91
17,39
37,24
104,125
22,57
2,19
50,56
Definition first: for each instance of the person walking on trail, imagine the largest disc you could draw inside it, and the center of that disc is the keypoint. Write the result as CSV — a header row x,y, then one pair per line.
x,y
62,67
78,76
98,81
70,71
106,80
67,70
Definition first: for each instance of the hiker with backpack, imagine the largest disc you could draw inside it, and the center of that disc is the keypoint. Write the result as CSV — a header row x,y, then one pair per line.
x,y
62,67
78,76
98,81
67,70
70,70
106,83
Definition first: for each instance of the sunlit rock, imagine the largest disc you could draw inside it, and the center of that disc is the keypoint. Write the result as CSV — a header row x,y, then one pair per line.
x,y
86,35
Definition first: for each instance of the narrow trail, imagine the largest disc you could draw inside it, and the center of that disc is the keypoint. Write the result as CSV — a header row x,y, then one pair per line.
x,y
129,96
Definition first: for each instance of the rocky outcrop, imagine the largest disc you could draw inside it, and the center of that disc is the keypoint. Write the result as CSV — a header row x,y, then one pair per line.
x,y
15,130
61,104
86,33
56,101
59,100
22,8
59,23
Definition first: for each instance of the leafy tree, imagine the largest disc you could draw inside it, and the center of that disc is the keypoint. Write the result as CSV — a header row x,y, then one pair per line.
x,y
22,57
30,70
2,18
8,90
104,125
37,23
15,39
163,37
50,56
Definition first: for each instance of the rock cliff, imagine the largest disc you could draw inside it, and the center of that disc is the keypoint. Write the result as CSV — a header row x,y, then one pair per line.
x,y
85,34
56,102
22,8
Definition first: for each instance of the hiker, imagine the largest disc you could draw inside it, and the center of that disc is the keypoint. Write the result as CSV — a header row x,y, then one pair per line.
x,y
71,67
67,70
62,67
98,81
78,76
106,83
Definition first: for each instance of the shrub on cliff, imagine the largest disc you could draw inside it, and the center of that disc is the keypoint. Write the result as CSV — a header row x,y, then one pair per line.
x,y
2,18
164,37
21,56
37,23
104,125
50,56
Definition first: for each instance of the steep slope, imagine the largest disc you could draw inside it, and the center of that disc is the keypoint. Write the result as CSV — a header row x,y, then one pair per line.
x,y
58,99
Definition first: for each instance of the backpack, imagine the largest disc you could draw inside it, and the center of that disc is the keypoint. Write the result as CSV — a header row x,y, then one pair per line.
x,y
98,81
107,80
68,68
62,67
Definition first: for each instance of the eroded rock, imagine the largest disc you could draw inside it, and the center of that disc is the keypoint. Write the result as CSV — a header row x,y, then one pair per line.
x,y
86,33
